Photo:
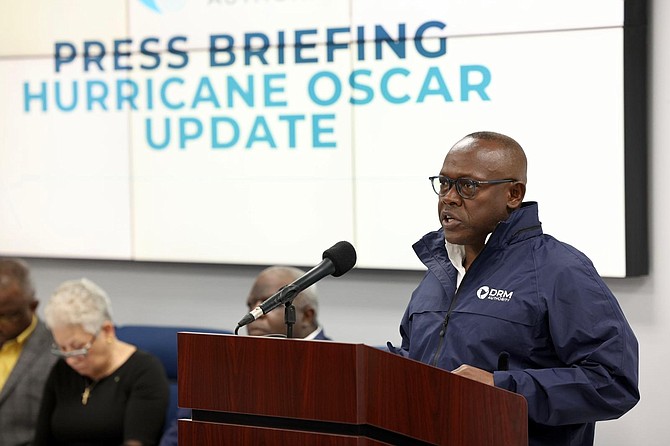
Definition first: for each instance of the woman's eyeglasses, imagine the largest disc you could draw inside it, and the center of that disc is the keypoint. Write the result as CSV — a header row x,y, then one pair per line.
x,y
83,351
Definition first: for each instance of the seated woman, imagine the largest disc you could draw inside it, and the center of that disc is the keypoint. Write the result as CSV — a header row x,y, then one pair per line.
x,y
102,391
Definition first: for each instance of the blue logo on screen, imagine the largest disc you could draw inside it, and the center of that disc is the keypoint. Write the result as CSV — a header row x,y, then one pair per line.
x,y
161,6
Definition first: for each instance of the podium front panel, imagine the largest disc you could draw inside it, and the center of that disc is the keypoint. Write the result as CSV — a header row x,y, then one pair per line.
x,y
293,378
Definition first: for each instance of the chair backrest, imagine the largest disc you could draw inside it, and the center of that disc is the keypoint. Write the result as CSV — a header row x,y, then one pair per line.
x,y
161,341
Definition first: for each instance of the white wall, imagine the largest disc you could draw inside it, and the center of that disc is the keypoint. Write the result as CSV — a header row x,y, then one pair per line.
x,y
366,306
645,301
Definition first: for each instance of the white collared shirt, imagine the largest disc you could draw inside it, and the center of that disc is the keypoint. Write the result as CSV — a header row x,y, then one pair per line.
x,y
456,255
314,334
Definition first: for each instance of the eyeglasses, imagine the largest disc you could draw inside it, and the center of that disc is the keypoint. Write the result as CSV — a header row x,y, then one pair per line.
x,y
466,187
83,351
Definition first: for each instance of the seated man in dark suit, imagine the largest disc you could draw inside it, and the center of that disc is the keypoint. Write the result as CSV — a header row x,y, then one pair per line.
x,y
25,358
269,281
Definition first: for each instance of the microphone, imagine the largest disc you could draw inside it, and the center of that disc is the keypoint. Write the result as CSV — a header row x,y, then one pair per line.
x,y
337,260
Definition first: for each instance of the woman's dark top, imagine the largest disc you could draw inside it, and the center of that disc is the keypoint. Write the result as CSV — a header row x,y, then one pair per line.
x,y
129,404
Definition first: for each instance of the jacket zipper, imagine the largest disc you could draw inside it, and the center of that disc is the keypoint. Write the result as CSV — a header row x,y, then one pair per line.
x,y
443,331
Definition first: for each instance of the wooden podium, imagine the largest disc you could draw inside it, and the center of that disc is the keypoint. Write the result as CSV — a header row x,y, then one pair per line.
x,y
271,391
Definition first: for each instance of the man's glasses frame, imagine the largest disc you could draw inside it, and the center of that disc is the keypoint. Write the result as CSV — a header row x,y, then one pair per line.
x,y
466,187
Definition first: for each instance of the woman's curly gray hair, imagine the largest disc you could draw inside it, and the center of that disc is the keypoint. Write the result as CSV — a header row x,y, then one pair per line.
x,y
78,302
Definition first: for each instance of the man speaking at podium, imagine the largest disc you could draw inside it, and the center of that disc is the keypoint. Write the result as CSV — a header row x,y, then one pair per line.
x,y
506,305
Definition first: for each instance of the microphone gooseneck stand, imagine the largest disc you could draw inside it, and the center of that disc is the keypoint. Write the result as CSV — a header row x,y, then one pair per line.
x,y
289,318
286,295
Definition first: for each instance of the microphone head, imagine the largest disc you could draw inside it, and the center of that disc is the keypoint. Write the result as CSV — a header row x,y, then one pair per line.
x,y
343,256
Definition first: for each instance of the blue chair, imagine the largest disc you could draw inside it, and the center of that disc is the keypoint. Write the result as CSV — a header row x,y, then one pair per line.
x,y
161,341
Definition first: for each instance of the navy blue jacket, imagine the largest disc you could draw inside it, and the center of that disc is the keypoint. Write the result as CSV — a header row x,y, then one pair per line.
x,y
322,336
573,355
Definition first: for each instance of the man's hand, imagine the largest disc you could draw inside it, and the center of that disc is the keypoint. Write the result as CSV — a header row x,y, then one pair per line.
x,y
471,372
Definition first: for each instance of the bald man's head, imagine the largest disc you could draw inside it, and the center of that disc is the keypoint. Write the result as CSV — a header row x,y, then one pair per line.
x,y
17,298
501,155
268,282
482,181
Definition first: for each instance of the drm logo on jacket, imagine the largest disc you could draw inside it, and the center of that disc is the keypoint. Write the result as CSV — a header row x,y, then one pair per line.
x,y
485,292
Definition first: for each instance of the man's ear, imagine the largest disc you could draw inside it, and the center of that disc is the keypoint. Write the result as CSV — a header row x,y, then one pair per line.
x,y
309,315
515,196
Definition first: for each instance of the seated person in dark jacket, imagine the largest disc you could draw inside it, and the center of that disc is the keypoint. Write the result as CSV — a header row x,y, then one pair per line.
x,y
25,360
268,282
498,290
102,391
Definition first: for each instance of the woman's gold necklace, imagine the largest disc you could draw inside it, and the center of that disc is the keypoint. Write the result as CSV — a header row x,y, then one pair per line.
x,y
89,387
87,391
